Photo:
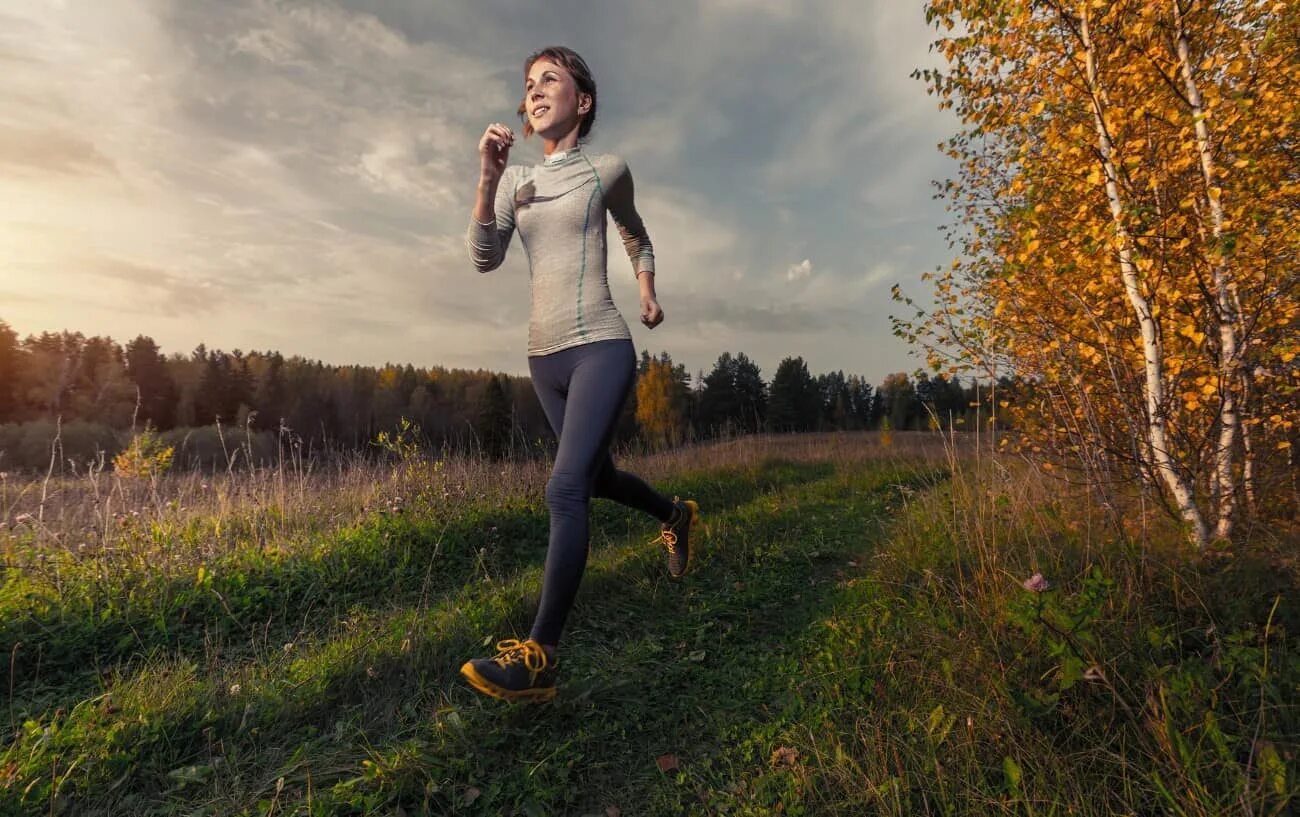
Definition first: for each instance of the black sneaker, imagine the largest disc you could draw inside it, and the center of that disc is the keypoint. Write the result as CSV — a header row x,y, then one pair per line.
x,y
520,671
676,536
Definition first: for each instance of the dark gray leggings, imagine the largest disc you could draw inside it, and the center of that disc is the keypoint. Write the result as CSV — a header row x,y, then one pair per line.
x,y
582,390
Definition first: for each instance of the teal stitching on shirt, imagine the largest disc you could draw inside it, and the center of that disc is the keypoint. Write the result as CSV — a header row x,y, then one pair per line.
x,y
582,272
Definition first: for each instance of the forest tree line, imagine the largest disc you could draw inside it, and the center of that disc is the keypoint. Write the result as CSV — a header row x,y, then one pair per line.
x,y
93,391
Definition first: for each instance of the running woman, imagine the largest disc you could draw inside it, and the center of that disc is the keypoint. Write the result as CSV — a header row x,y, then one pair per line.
x,y
580,352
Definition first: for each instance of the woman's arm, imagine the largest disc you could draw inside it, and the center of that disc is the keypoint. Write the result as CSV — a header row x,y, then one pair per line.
x,y
651,313
493,219
621,202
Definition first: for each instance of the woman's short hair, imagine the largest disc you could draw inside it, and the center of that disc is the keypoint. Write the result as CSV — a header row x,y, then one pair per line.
x,y
569,60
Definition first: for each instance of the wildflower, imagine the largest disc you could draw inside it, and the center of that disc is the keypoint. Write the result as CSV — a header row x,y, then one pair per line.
x,y
1036,583
784,756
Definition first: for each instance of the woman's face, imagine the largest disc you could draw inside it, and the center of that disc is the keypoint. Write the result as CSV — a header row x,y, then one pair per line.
x,y
552,100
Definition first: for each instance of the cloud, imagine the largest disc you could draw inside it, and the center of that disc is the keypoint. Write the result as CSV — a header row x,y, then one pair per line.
x,y
154,288
49,151
260,172
799,271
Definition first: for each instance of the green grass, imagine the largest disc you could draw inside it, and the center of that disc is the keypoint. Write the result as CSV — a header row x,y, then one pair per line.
x,y
854,640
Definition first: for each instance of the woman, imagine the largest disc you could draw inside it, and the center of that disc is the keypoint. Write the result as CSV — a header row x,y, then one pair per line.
x,y
580,352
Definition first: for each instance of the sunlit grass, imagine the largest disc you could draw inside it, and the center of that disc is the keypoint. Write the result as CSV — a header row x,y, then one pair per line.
x,y
856,639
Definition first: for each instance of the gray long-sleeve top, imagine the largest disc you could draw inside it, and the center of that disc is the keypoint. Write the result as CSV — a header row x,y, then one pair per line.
x,y
559,209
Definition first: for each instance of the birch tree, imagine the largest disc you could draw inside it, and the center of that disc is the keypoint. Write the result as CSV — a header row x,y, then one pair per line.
x,y
1126,222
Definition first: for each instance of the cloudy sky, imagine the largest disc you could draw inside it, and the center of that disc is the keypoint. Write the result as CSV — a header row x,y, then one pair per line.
x,y
297,176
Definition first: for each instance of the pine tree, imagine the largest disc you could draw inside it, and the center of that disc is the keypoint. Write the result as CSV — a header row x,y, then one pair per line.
x,y
157,389
493,425
794,403
734,395
10,367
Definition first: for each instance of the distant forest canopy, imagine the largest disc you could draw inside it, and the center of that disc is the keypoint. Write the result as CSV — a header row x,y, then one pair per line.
x,y
210,401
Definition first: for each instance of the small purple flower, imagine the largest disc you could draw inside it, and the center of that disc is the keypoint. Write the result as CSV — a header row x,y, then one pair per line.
x,y
1036,583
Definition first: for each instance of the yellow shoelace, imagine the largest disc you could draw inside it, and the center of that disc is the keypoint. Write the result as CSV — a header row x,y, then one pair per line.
x,y
669,539
512,650
668,536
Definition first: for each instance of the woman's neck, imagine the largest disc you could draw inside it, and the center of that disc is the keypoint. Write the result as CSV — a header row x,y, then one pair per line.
x,y
567,142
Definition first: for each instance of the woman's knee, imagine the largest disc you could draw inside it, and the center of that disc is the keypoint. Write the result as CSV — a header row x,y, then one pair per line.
x,y
566,490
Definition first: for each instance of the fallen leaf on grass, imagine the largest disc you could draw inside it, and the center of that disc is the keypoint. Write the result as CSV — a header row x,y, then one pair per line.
x,y
613,811
784,756
696,655
471,794
667,763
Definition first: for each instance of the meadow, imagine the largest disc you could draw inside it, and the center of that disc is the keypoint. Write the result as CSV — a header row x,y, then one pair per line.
x,y
897,623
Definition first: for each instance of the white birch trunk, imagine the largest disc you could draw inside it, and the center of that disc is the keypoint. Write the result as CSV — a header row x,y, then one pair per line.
x,y
1229,358
1152,352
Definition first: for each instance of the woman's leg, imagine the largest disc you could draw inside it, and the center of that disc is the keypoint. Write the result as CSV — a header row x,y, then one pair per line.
x,y
582,394
582,391
628,489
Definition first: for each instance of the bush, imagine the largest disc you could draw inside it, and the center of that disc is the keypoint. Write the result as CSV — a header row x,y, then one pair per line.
x,y
203,447
26,446
146,457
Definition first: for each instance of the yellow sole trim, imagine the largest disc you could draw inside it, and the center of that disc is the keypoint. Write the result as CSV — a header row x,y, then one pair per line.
x,y
501,693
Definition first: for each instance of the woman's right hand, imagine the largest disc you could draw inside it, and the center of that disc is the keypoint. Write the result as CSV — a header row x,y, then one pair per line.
x,y
494,151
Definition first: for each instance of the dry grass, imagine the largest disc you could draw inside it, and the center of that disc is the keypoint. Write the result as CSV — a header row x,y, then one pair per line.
x,y
859,616
97,513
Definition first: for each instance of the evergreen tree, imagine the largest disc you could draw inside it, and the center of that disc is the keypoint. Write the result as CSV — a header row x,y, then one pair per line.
x,y
157,389
734,395
833,391
862,403
794,403
269,397
241,384
10,368
494,425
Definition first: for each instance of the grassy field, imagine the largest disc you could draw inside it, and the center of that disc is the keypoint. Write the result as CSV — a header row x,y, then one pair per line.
x,y
857,638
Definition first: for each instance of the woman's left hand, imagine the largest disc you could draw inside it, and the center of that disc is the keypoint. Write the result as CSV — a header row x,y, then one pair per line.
x,y
651,313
